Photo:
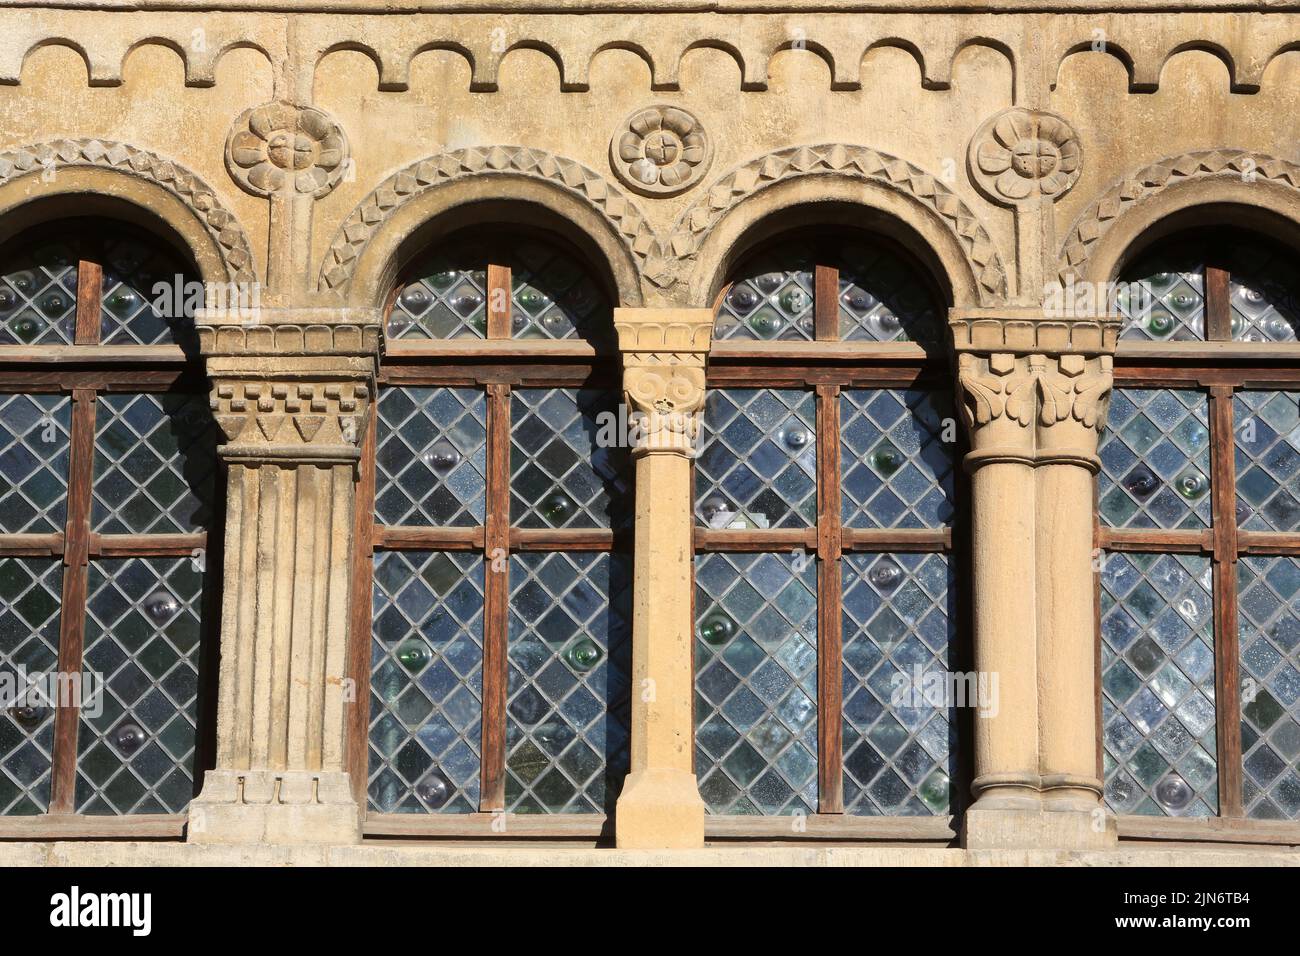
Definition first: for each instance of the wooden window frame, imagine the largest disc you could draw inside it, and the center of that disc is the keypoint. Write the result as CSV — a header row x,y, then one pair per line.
x,y
494,366
84,371
1217,367
826,366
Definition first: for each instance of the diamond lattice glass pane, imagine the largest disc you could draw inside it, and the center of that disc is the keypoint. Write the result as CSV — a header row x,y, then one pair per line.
x,y
1158,685
897,467
1268,604
447,299
30,598
431,457
137,739
552,296
756,683
38,294
426,682
131,313
1264,290
1155,460
899,728
882,299
1267,432
567,715
569,467
1163,296
33,463
155,463
771,298
757,466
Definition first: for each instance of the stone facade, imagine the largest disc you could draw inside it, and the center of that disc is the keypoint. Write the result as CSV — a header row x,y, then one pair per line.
x,y
311,148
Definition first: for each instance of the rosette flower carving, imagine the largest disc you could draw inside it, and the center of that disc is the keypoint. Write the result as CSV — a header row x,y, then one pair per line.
x,y
1022,156
279,147
661,150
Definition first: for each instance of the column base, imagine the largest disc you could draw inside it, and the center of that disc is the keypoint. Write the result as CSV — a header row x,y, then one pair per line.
x,y
1029,822
659,810
275,807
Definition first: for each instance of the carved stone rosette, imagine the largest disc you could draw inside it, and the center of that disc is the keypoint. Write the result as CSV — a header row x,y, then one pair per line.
x,y
661,151
279,146
1022,156
663,376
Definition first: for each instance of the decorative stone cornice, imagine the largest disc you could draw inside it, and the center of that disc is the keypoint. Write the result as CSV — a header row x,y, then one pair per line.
x,y
664,356
267,332
219,222
1033,392
278,148
854,162
1097,219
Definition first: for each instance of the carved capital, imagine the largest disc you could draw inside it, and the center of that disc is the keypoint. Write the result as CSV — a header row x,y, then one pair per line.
x,y
664,356
1034,392
290,412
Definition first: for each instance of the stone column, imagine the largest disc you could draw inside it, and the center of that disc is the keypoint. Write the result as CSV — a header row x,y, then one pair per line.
x,y
664,354
1034,394
292,401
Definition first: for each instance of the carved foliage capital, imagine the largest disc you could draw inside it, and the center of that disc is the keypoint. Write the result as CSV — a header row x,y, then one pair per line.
x,y
664,356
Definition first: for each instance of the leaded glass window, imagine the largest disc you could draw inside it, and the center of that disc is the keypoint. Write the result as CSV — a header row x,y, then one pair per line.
x,y
819,288
1226,287
1198,518
500,625
108,491
824,506
497,283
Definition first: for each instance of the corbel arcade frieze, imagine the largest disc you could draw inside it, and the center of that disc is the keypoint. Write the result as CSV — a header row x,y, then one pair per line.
x,y
1033,391
664,356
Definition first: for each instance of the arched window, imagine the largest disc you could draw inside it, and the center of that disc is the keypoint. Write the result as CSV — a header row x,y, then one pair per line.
x,y
1199,519
108,498
499,627
825,504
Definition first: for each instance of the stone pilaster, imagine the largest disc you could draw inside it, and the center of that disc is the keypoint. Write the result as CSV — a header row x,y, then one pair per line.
x,y
1034,395
291,394
664,355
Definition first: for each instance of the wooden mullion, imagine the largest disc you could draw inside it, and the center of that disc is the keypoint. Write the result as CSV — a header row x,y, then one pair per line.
x,y
753,540
498,302
1218,306
1263,543
830,753
409,538
31,545
145,545
1227,688
563,539
72,620
360,619
826,303
90,289
1157,541
496,595
910,540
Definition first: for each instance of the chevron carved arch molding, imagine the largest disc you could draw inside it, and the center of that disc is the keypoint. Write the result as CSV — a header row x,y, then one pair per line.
x,y
1230,166
622,217
859,163
46,159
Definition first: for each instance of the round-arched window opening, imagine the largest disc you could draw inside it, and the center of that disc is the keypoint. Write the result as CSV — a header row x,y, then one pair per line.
x,y
95,282
498,283
1226,285
847,287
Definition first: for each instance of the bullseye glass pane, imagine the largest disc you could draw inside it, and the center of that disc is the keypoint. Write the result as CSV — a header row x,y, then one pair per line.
x,y
38,294
1155,460
147,297
756,683
1162,297
426,682
1158,716
1264,292
882,299
771,297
